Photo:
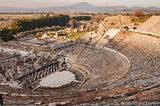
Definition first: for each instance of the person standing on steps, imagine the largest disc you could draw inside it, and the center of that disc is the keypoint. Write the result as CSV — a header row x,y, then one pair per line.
x,y
1,100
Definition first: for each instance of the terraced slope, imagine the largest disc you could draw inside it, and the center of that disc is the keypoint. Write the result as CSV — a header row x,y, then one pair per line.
x,y
143,53
152,25
104,65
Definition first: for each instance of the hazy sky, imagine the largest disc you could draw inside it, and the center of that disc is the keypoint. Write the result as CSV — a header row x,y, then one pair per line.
x,y
54,3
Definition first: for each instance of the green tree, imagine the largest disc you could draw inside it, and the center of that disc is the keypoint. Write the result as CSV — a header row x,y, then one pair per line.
x,y
6,34
40,22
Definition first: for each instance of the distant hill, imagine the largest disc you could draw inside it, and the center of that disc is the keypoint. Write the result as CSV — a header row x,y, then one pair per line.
x,y
80,7
85,7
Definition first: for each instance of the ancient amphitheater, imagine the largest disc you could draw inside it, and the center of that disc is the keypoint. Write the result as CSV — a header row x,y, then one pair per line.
x,y
113,68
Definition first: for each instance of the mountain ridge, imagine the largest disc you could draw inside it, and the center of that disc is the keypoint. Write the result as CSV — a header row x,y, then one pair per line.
x,y
79,7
